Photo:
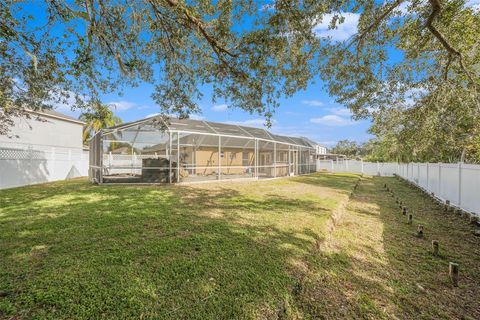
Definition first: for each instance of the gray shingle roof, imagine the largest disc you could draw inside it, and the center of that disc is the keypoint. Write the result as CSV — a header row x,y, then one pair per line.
x,y
209,127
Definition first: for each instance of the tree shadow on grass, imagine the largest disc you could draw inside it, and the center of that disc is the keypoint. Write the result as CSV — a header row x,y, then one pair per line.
x,y
80,251
339,181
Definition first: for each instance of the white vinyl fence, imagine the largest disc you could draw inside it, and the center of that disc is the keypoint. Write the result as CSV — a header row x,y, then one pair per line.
x,y
457,182
25,164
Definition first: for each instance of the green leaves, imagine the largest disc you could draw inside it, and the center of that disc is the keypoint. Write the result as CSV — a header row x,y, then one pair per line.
x,y
413,73
253,55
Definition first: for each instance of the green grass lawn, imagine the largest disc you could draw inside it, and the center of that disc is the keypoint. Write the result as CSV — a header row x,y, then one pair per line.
x,y
287,248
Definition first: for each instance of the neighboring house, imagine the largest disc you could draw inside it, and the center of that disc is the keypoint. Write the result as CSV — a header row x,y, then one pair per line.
x,y
42,150
320,151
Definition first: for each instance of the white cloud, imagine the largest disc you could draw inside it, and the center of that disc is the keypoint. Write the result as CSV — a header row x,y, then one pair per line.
x,y
291,113
403,7
220,107
65,101
124,105
267,7
313,103
414,94
332,120
196,117
341,111
342,32
475,4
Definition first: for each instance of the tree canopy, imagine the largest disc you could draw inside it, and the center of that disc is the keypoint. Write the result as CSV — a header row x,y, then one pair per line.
x,y
351,149
412,67
83,48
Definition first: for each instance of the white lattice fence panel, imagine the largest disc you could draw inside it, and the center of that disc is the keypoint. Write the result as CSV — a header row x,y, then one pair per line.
x,y
22,164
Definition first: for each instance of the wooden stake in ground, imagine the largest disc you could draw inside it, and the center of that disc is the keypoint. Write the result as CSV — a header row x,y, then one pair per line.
x,y
420,230
435,247
447,205
410,218
453,273
404,211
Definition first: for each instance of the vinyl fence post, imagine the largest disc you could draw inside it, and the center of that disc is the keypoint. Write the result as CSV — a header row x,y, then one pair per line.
x,y
362,165
378,168
418,174
331,163
178,157
219,166
459,184
53,160
428,175
170,157
439,179
274,159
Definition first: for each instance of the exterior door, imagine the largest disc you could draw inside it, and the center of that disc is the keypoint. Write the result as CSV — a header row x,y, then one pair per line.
x,y
292,159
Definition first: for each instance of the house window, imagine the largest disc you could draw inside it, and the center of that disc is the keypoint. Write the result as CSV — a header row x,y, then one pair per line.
x,y
233,155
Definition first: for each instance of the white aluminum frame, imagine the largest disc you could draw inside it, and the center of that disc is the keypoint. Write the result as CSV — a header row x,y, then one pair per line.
x,y
293,166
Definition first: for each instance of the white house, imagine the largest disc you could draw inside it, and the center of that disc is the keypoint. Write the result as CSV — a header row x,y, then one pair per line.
x,y
42,151
320,150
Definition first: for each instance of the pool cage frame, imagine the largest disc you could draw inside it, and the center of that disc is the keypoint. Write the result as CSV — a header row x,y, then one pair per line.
x,y
159,150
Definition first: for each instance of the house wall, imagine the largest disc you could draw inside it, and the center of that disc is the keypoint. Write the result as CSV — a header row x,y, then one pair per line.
x,y
42,151
205,159
206,162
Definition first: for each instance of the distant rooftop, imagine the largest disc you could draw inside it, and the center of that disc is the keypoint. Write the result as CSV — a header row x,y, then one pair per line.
x,y
56,114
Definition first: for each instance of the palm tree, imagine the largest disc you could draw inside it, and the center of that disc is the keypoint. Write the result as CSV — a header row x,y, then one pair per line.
x,y
99,118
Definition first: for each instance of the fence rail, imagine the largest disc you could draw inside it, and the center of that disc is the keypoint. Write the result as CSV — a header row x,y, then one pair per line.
x,y
457,182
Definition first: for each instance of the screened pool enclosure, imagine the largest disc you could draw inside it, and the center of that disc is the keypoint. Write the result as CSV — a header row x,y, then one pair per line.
x,y
157,151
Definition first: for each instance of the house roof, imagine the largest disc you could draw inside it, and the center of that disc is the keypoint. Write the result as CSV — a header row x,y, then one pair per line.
x,y
208,127
57,115
311,142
